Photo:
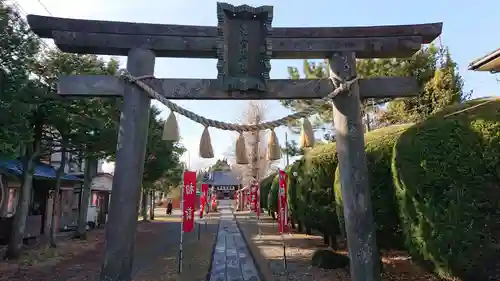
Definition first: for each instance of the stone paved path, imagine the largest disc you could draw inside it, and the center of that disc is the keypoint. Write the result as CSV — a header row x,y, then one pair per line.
x,y
231,260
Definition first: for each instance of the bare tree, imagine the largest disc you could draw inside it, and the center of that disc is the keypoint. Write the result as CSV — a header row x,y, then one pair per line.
x,y
256,145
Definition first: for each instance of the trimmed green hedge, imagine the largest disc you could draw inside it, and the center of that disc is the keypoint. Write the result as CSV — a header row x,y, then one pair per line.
x,y
265,186
447,173
315,203
378,148
302,202
320,163
292,193
272,199
339,204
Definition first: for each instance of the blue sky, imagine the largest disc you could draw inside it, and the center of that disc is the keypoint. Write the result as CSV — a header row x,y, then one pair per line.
x,y
470,30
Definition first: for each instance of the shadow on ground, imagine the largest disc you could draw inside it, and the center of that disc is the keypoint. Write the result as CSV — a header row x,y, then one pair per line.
x,y
76,260
267,250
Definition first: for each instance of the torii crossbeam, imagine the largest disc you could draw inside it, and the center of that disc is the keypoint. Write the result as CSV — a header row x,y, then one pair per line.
x,y
208,89
243,42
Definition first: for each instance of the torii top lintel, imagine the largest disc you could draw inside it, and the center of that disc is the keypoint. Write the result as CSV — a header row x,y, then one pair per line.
x,y
243,42
117,38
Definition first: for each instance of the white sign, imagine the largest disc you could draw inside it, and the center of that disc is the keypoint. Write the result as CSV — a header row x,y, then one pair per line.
x,y
189,189
188,213
225,188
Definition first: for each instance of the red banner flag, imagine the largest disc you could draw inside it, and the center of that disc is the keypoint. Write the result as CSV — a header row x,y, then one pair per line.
x,y
282,203
202,205
188,201
254,186
203,199
257,203
213,200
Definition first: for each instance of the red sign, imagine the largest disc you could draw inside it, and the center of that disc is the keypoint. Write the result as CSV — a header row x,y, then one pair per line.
x,y
254,186
257,204
203,199
214,200
282,203
188,201
202,205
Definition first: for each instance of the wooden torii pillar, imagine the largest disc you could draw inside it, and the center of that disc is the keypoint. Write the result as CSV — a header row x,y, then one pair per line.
x,y
243,42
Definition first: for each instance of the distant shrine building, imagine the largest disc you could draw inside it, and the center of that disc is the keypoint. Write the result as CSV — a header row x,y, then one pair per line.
x,y
225,184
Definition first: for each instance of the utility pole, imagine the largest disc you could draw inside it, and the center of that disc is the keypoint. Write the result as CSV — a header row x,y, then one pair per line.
x,y
255,148
286,149
368,121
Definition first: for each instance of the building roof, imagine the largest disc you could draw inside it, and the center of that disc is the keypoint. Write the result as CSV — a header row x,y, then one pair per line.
x,y
489,62
42,171
222,178
81,175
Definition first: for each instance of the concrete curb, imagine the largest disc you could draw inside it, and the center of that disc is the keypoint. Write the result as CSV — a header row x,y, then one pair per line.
x,y
247,242
207,278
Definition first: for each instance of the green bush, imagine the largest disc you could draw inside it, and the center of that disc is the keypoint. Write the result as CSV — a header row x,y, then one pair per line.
x,y
320,163
292,193
378,148
302,187
272,199
447,175
339,205
315,202
265,186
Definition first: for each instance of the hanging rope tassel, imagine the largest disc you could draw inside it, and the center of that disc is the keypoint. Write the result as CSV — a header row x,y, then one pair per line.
x,y
306,134
241,150
171,128
273,147
206,150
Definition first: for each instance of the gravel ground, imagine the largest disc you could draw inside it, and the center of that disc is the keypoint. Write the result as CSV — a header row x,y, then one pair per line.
x,y
76,260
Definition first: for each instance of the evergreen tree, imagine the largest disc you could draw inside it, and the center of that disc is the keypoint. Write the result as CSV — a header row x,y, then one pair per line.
x,y
436,73
441,85
18,50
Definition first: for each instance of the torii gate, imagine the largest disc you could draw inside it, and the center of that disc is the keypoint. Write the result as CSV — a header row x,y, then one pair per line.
x,y
243,42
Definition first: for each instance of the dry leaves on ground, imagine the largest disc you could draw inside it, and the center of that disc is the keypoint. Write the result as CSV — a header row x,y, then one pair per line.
x,y
267,249
40,259
197,255
78,260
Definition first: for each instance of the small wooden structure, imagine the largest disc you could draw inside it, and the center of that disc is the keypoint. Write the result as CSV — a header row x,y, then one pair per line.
x,y
489,62
39,216
9,186
243,42
100,195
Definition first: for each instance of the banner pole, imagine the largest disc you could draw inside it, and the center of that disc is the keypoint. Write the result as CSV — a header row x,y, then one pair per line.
x,y
258,225
206,215
283,215
259,210
182,230
285,264
284,251
198,226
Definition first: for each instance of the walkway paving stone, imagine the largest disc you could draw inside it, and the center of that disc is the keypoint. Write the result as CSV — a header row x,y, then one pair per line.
x,y
232,260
